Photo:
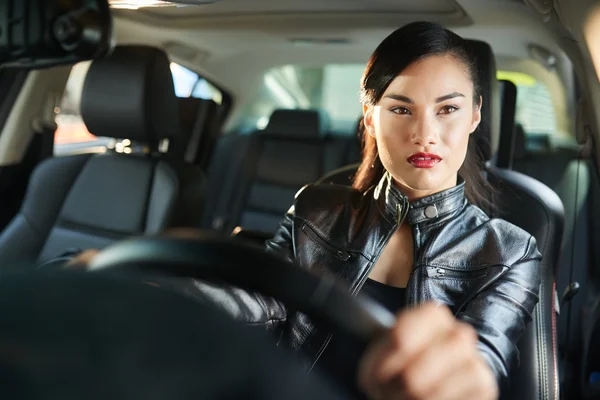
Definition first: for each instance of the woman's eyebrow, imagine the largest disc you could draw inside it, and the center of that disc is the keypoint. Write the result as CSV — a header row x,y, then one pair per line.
x,y
449,96
405,99
399,97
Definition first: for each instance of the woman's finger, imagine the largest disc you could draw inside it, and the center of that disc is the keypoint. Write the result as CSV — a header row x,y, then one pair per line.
x,y
82,260
431,368
414,331
473,380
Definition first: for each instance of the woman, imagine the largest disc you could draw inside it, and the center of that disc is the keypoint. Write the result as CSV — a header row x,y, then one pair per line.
x,y
411,235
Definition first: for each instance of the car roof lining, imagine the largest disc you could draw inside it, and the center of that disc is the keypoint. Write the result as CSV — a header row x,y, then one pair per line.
x,y
229,32
234,42
233,48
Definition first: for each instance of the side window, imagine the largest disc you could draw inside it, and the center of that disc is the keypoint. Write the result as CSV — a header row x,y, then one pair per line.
x,y
190,84
535,108
72,135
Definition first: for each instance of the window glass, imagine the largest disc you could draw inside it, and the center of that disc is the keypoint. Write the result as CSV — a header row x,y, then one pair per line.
x,y
72,135
183,79
534,109
332,87
190,84
335,89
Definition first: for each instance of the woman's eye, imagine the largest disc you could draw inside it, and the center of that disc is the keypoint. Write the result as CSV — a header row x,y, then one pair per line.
x,y
400,110
448,109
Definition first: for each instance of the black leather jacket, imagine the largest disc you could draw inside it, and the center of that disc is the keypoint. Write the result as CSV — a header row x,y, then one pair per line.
x,y
486,270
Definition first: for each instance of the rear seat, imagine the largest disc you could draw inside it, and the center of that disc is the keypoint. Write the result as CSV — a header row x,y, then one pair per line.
x,y
253,178
348,147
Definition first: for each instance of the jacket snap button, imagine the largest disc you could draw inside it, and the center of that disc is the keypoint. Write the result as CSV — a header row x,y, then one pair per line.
x,y
431,211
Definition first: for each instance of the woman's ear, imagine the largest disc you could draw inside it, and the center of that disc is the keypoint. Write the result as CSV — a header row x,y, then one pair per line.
x,y
368,120
476,115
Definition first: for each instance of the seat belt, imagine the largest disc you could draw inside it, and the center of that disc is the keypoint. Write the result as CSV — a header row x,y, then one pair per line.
x,y
595,224
586,140
573,287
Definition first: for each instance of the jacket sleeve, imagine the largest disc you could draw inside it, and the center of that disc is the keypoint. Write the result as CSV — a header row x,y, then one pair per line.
x,y
248,307
282,243
501,312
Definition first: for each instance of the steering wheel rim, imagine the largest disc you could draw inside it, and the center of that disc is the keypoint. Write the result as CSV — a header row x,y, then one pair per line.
x,y
219,259
75,335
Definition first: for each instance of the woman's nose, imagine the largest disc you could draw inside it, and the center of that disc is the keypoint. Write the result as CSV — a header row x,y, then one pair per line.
x,y
425,132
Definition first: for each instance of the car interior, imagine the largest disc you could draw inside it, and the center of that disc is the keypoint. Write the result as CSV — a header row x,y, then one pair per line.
x,y
212,114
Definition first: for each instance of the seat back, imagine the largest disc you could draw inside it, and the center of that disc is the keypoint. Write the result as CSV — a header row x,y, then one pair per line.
x,y
537,209
257,175
532,206
570,177
90,200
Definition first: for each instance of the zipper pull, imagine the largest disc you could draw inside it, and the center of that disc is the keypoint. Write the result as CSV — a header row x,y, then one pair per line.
x,y
436,272
402,210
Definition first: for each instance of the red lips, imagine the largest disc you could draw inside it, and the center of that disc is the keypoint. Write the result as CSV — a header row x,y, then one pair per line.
x,y
424,160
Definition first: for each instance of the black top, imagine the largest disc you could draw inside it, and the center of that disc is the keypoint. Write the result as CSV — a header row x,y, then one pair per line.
x,y
340,359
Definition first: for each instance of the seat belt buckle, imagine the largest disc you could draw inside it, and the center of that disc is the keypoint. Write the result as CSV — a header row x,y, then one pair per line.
x,y
570,292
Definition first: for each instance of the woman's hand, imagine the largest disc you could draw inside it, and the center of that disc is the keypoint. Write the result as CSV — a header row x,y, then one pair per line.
x,y
81,260
428,354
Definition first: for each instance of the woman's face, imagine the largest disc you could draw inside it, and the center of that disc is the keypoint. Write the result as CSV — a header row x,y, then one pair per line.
x,y
422,124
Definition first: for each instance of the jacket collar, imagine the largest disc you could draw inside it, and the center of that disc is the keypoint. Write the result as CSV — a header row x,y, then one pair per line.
x,y
426,209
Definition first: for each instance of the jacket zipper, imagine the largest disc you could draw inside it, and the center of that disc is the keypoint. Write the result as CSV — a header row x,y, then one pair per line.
x,y
339,253
445,272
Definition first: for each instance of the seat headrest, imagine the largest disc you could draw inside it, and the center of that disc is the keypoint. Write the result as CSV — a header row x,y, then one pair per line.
x,y
130,95
488,135
308,124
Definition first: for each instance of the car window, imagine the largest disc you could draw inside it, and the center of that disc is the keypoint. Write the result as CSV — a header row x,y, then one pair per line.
x,y
534,109
190,84
335,89
72,135
332,87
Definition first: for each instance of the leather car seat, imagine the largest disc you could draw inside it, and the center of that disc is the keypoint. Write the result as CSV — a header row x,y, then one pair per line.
x,y
91,200
256,176
537,209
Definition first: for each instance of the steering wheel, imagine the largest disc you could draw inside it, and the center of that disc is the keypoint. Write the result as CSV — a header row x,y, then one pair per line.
x,y
73,334
211,257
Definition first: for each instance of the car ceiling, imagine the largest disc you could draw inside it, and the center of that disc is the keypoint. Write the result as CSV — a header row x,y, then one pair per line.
x,y
233,42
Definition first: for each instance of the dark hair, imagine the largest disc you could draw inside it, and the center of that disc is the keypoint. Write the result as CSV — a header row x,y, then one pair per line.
x,y
403,47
